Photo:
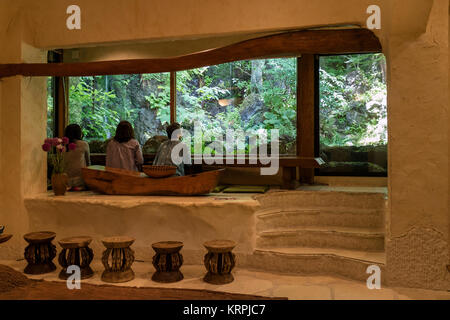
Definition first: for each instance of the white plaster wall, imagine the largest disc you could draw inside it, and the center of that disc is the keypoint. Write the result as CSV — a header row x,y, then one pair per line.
x,y
418,160
23,121
192,220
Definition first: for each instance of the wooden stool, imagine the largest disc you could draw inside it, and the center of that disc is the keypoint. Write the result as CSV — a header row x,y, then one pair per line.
x,y
40,252
167,261
219,261
76,252
122,257
5,237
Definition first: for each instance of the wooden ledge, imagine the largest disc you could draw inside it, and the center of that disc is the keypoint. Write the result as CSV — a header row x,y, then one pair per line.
x,y
288,161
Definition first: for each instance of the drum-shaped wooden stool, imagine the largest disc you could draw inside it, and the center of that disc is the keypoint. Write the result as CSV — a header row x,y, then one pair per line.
x,y
40,252
167,261
76,252
5,237
117,259
219,261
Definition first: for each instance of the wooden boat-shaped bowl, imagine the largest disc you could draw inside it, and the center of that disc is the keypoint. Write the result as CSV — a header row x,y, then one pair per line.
x,y
122,182
159,171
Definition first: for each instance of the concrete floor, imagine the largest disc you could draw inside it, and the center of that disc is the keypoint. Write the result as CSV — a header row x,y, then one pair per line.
x,y
259,283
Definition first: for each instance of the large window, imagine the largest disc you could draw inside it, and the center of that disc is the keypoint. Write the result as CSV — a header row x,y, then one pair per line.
x,y
248,95
353,114
241,95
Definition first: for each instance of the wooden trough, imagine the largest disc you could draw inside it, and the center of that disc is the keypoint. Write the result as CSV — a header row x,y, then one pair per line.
x,y
123,182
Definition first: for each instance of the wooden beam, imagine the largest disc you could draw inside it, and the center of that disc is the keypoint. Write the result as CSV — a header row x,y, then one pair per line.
x,y
284,44
173,96
305,113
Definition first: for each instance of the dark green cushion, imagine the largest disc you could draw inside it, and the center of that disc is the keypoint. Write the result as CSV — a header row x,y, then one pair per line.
x,y
219,189
246,189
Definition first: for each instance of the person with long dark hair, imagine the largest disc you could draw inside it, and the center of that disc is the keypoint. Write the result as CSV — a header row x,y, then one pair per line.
x,y
76,159
124,151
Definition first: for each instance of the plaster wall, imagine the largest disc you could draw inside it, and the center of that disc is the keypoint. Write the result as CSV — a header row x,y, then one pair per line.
x,y
12,212
23,121
414,36
192,220
150,20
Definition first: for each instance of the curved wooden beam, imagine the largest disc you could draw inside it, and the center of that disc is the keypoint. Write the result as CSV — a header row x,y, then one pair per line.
x,y
284,44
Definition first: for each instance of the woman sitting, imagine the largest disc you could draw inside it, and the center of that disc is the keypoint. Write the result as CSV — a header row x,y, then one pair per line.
x,y
124,151
76,159
164,154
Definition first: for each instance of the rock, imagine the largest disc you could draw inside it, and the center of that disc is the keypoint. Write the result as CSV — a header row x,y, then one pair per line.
x,y
152,144
147,125
252,108
98,146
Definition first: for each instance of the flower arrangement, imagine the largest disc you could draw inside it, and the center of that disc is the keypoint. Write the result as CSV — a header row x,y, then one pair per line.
x,y
56,147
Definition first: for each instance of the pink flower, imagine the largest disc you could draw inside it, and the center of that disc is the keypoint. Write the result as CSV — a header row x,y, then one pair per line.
x,y
46,147
48,140
72,146
55,142
65,140
60,148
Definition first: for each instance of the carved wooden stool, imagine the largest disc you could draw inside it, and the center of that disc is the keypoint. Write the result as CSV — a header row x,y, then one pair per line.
x,y
167,261
5,237
117,259
40,252
219,261
76,252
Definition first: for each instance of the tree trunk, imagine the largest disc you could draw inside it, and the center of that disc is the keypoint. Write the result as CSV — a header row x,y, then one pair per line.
x,y
257,75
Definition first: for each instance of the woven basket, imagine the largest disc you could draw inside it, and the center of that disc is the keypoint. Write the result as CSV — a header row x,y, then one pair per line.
x,y
159,171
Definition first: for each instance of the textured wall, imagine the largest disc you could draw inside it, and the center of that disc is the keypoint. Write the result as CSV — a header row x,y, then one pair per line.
x,y
418,160
418,258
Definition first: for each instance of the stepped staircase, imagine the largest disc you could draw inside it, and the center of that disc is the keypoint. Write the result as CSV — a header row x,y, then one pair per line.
x,y
321,232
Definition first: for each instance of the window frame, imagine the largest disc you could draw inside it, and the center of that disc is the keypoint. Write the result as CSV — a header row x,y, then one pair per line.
x,y
313,43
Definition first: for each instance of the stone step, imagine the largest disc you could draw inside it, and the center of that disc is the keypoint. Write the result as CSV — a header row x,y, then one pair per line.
x,y
344,217
364,239
312,199
318,261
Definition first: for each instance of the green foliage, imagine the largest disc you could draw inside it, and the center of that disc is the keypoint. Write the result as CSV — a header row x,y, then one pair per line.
x,y
240,95
90,106
50,108
200,90
352,100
